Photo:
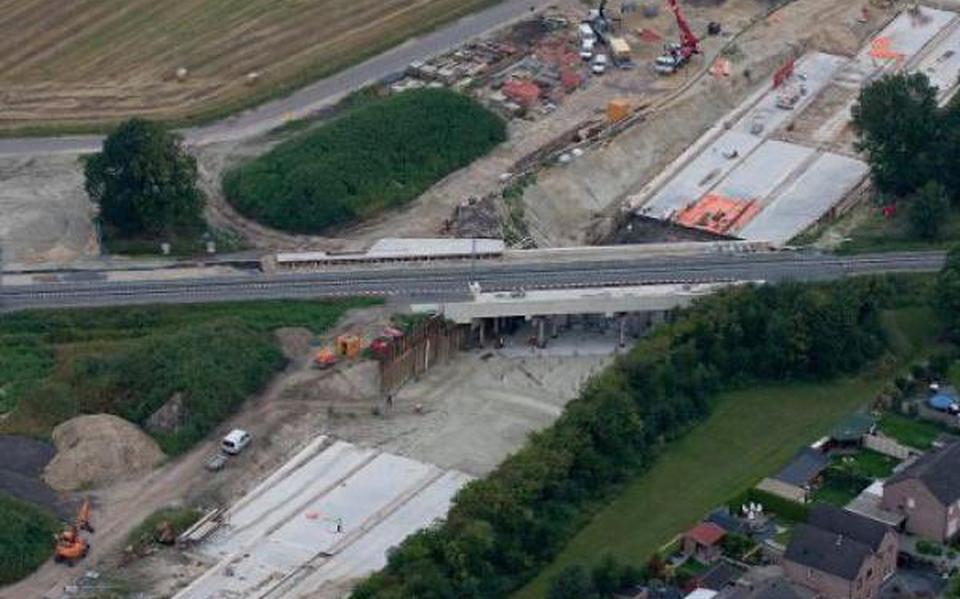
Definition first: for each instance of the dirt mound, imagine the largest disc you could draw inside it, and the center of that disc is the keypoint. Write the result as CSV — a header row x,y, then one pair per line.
x,y
93,450
294,341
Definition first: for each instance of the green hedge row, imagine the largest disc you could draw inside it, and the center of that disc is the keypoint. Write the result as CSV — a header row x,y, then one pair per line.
x,y
378,156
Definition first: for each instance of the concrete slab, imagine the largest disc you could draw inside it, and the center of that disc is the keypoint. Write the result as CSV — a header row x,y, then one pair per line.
x,y
328,516
367,553
905,36
807,199
725,150
942,64
764,170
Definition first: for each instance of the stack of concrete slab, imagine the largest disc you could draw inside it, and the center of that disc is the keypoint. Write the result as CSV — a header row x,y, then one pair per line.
x,y
327,518
788,186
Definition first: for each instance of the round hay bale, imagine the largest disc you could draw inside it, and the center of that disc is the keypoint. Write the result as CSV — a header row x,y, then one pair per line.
x,y
97,449
182,73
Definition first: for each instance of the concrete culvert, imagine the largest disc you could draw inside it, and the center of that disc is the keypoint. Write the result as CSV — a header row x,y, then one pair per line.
x,y
97,449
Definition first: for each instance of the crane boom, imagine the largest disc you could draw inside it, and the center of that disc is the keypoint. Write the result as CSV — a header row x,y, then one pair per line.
x,y
689,43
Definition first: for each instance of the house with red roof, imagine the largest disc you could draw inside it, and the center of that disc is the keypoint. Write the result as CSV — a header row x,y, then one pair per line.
x,y
702,542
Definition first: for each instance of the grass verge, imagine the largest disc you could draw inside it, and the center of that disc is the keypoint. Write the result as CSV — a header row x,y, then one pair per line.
x,y
26,540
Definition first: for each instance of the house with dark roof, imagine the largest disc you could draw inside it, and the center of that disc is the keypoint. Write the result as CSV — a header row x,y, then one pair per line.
x,y
841,555
927,494
799,477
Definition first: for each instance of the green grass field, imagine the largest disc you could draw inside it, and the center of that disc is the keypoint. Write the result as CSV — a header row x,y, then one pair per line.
x,y
751,433
26,540
909,431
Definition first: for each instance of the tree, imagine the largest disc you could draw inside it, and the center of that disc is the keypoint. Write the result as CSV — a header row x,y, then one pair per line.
x,y
928,211
948,290
144,182
898,122
572,582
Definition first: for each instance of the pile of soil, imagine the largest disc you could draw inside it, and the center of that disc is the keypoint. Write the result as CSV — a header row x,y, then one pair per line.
x,y
97,449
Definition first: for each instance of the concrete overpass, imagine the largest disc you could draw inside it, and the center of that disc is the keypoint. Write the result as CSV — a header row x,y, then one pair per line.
x,y
615,267
633,309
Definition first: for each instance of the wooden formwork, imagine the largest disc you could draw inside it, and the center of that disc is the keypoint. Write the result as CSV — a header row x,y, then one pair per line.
x,y
430,342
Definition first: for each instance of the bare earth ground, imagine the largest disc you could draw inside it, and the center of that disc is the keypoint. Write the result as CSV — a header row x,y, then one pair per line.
x,y
45,216
575,203
474,411
87,61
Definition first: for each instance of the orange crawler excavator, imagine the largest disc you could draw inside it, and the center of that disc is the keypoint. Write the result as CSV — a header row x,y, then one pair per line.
x,y
71,546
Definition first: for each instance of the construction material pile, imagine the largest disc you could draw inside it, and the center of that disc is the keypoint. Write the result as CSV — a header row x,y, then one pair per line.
x,y
96,449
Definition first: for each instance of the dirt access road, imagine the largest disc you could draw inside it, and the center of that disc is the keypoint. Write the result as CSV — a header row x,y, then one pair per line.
x,y
99,60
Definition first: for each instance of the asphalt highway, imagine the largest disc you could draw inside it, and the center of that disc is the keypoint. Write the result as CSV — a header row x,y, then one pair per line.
x,y
309,99
445,282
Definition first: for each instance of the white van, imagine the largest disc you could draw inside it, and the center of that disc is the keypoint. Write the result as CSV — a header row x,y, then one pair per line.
x,y
587,33
235,441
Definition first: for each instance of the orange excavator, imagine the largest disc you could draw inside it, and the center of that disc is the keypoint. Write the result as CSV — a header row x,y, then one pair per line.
x,y
71,546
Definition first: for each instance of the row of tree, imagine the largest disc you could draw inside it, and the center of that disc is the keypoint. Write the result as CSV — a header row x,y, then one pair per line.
x,y
503,529
911,144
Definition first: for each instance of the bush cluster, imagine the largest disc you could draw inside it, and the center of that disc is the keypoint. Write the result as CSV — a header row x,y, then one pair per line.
x,y
26,541
501,530
378,156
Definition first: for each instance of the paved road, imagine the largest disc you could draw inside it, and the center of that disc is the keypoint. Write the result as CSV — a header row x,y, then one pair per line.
x,y
436,283
313,97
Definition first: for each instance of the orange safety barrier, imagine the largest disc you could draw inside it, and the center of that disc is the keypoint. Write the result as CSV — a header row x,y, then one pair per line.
x,y
718,214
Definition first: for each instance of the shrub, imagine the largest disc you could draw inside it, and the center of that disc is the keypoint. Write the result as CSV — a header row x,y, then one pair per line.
x,y
26,541
378,156
179,518
925,547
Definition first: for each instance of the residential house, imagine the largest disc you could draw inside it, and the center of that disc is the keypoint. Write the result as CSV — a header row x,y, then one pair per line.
x,y
927,494
841,555
702,542
799,477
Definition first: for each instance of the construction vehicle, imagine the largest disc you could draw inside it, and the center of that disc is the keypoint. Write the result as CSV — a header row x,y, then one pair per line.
x,y
324,359
676,55
71,547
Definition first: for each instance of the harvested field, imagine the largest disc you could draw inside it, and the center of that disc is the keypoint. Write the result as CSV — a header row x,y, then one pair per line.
x,y
94,61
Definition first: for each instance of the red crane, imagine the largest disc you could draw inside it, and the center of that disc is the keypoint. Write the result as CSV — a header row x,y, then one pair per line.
x,y
689,43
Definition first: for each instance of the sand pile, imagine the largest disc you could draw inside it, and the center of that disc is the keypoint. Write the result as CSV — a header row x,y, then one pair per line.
x,y
93,450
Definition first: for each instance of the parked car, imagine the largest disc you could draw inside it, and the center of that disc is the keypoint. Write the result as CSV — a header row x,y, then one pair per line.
x,y
586,49
599,65
235,441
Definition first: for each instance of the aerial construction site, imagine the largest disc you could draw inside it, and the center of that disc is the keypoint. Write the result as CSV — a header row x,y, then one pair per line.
x,y
689,130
